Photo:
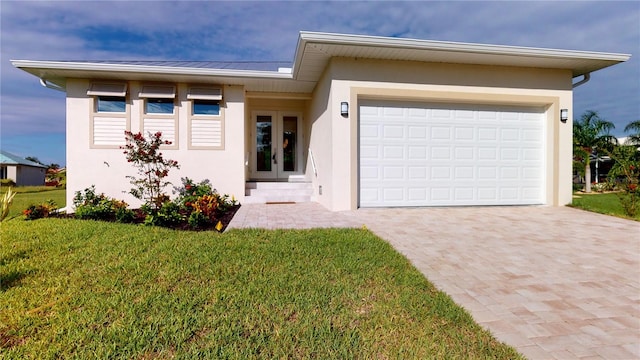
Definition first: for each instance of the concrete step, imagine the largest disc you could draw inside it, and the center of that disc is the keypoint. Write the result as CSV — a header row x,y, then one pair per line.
x,y
274,192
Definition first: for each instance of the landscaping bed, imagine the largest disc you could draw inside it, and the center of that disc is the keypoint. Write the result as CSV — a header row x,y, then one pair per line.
x,y
140,215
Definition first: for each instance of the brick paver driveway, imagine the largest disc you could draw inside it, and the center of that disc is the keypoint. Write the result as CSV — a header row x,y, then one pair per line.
x,y
552,282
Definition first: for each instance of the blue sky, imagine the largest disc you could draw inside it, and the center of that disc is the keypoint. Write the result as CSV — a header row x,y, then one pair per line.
x,y
32,118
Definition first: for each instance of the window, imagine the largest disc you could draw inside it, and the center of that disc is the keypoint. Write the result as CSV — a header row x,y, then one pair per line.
x,y
159,99
158,106
158,112
206,121
110,114
111,104
206,107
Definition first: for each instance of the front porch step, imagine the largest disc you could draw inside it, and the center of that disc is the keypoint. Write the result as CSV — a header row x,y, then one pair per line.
x,y
266,192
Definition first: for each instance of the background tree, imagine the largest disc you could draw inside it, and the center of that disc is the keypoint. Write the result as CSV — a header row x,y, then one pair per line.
x,y
53,166
633,128
590,136
34,159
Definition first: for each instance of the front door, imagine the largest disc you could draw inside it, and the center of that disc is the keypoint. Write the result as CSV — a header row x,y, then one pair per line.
x,y
276,145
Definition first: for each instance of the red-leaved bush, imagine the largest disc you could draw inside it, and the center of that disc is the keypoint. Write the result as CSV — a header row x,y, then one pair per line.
x,y
153,168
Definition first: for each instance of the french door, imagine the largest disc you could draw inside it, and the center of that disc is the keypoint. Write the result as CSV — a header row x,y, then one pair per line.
x,y
276,145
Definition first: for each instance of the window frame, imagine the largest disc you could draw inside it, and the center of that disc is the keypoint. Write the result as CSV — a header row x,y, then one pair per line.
x,y
99,89
159,91
206,93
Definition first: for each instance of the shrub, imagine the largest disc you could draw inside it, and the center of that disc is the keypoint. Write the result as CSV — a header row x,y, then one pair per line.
x,y
190,191
626,171
203,204
7,183
168,215
5,203
602,186
89,205
152,167
34,212
198,220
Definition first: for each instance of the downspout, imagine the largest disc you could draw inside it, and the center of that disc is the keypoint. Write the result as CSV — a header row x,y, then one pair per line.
x,y
49,85
586,78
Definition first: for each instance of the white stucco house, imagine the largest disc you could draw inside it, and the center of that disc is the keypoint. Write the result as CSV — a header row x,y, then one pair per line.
x,y
357,121
21,171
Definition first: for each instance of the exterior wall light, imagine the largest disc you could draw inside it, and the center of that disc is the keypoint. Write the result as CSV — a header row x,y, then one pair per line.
x,y
344,109
564,115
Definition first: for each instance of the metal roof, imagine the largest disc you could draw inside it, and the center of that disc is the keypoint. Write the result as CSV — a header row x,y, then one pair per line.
x,y
230,65
313,52
7,158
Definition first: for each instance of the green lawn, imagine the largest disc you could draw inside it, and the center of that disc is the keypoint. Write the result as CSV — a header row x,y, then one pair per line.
x,y
33,195
85,289
603,203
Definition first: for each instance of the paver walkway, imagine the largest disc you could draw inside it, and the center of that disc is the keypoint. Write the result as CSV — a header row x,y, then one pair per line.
x,y
553,282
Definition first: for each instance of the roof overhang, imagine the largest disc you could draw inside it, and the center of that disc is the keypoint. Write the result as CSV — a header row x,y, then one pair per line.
x,y
315,49
57,72
313,52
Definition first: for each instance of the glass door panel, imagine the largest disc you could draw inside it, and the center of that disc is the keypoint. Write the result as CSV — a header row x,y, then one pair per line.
x,y
289,136
264,125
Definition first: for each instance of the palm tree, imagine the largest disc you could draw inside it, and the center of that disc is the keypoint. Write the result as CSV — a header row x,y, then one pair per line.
x,y
634,128
591,133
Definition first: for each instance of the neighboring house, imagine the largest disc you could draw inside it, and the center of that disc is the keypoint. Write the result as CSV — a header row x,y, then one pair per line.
x,y
365,121
602,164
23,172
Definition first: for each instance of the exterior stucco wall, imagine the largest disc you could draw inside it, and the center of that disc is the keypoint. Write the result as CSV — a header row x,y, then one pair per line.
x,y
107,168
320,127
351,80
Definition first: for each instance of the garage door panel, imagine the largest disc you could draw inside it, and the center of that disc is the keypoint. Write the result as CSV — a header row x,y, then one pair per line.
x,y
369,131
464,173
440,114
393,172
437,156
464,133
464,153
392,152
393,132
440,173
440,153
464,194
369,152
417,132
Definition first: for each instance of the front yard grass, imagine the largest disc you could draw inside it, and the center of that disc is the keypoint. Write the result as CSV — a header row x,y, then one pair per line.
x,y
33,195
85,289
603,203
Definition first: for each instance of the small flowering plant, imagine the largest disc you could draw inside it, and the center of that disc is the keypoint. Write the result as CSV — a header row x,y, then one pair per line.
x,y
203,204
153,168
190,191
39,211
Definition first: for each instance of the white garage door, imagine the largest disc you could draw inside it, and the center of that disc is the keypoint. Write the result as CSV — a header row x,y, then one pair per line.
x,y
443,155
